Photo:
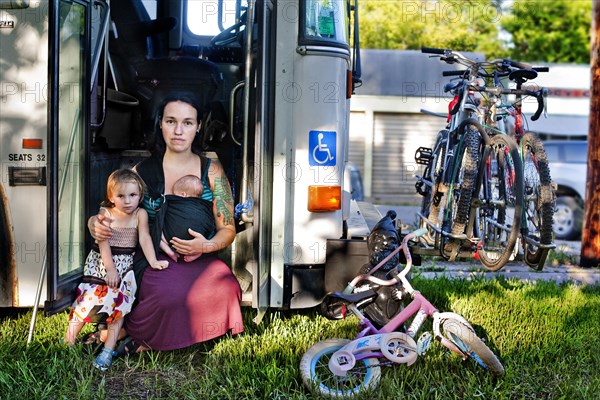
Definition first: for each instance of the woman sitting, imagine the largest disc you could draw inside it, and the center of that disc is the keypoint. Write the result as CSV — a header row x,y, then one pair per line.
x,y
197,298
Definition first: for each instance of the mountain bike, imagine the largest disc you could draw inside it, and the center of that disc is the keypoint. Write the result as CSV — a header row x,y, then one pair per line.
x,y
345,368
539,202
497,113
473,182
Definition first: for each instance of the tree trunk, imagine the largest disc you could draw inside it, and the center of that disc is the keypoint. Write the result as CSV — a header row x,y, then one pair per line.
x,y
590,239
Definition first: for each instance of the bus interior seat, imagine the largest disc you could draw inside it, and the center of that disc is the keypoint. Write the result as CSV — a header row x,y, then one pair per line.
x,y
142,66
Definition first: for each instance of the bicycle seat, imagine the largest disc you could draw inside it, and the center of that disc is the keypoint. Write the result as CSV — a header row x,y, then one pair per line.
x,y
353,297
522,75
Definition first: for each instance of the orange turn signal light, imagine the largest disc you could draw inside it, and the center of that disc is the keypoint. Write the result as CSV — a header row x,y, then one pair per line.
x,y
324,198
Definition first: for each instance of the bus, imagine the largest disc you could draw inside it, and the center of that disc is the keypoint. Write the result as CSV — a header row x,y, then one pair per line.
x,y
79,83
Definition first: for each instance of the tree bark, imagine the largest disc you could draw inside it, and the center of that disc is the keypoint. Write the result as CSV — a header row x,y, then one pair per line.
x,y
590,239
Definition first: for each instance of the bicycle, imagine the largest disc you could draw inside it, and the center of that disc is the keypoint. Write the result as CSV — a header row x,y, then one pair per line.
x,y
344,368
538,204
473,178
536,232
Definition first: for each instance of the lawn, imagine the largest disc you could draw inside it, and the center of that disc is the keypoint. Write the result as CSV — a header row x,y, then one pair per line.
x,y
546,335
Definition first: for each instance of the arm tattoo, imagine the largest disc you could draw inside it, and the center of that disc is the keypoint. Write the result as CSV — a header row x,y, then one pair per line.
x,y
224,200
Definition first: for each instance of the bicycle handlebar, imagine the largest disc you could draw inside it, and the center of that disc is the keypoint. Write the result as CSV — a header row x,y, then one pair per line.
x,y
540,95
517,64
433,50
401,277
454,73
541,98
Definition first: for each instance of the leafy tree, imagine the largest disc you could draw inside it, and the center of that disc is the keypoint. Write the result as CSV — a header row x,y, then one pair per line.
x,y
468,25
526,30
552,31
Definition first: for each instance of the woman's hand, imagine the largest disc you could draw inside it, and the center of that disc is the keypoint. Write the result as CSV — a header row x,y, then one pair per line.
x,y
194,247
99,227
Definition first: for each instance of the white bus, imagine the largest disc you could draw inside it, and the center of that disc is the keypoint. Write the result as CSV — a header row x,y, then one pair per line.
x,y
79,83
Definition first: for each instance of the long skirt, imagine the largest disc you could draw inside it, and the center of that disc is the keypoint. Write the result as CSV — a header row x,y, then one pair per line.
x,y
186,303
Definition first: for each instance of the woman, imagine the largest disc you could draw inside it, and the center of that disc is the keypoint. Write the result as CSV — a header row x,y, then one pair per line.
x,y
197,298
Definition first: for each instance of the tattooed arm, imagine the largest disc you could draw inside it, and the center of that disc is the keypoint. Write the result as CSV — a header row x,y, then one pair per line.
x,y
223,214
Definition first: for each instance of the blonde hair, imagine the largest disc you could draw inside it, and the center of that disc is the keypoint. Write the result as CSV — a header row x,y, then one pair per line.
x,y
119,177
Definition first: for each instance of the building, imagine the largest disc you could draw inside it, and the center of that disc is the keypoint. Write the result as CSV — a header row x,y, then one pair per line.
x,y
387,125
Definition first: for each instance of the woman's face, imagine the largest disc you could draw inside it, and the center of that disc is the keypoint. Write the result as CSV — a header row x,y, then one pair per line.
x,y
179,126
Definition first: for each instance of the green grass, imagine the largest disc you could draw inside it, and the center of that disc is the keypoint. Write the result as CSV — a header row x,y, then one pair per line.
x,y
546,335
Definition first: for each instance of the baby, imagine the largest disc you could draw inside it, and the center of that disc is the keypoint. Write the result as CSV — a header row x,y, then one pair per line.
x,y
186,186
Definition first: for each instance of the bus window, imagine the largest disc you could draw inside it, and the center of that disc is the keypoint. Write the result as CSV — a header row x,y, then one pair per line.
x,y
325,20
70,137
204,18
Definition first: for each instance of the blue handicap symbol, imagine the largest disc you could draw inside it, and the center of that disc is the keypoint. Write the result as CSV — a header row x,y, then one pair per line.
x,y
321,148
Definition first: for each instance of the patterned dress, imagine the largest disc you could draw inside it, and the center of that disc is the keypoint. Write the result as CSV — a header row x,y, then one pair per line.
x,y
95,301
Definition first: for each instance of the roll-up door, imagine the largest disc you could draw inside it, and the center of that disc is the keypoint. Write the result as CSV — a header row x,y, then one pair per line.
x,y
396,137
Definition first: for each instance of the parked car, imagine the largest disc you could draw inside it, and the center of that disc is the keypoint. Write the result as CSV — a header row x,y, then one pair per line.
x,y
568,168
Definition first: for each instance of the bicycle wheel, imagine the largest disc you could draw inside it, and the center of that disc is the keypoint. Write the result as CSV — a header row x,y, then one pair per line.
x,y
316,375
464,182
500,202
460,193
539,200
465,338
433,195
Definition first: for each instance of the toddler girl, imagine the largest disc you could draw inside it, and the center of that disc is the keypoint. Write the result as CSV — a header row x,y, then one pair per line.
x,y
108,288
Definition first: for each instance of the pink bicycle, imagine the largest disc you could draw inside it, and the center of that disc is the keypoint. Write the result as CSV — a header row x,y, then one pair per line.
x,y
344,368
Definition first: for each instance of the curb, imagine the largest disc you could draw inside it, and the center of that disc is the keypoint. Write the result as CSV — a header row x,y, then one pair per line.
x,y
559,274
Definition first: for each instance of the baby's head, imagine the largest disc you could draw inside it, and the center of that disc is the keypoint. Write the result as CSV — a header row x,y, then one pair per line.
x,y
188,186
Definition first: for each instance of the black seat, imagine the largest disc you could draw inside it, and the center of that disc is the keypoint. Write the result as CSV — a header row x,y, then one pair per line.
x,y
141,64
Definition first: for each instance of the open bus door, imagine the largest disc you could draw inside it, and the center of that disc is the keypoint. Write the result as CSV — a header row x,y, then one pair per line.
x,y
75,27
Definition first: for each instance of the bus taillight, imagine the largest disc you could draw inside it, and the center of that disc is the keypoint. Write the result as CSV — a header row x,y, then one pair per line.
x,y
324,198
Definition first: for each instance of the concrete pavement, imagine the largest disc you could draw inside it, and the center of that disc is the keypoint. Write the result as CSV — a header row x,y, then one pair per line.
x,y
472,270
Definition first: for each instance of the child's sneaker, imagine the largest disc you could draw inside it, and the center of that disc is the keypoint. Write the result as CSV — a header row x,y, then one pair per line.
x,y
104,359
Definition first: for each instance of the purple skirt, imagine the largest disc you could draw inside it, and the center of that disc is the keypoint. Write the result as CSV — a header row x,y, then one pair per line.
x,y
185,304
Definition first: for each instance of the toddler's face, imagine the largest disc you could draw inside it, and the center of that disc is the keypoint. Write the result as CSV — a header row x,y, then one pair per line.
x,y
126,197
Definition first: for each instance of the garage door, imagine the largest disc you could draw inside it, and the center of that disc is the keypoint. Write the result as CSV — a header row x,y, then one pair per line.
x,y
396,137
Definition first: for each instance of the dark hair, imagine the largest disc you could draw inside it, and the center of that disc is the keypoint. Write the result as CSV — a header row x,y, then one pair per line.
x,y
118,177
185,97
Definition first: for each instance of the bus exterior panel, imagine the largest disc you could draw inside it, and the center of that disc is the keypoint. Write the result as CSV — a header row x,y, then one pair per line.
x,y
311,138
23,151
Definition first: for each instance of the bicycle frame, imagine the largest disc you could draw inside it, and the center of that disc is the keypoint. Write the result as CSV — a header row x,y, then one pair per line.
x,y
419,307
342,368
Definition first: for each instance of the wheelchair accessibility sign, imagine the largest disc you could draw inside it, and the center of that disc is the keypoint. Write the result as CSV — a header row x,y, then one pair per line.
x,y
321,148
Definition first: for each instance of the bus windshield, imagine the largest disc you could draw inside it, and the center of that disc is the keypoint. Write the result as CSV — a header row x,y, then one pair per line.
x,y
204,19
326,20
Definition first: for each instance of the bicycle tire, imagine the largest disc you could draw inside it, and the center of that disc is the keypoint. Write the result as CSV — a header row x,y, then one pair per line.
x,y
462,178
464,181
465,338
433,196
539,199
316,375
500,202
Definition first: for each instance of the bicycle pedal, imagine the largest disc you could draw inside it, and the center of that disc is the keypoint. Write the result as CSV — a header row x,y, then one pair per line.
x,y
423,343
423,155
